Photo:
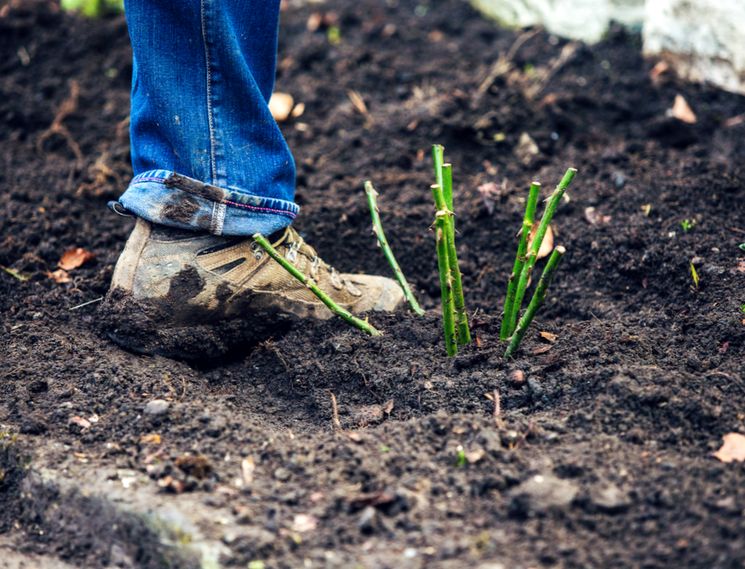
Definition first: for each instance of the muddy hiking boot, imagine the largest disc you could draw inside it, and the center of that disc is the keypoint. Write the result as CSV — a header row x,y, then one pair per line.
x,y
194,295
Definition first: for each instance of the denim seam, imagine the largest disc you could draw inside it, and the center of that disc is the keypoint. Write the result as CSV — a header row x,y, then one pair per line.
x,y
220,213
289,214
210,120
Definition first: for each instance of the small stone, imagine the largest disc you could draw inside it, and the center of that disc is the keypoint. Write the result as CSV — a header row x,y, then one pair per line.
x,y
541,493
157,407
216,427
367,520
619,179
535,387
282,474
609,498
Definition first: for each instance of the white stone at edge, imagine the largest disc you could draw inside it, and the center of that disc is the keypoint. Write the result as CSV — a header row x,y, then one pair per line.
x,y
704,40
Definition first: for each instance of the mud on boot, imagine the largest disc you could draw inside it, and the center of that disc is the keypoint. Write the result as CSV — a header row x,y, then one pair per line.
x,y
192,295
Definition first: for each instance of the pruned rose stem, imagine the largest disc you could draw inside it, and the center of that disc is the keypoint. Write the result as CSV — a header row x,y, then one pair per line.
x,y
443,264
461,316
377,228
538,297
313,287
532,255
444,177
508,320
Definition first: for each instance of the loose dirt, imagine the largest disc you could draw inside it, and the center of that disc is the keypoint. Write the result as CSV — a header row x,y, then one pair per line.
x,y
601,455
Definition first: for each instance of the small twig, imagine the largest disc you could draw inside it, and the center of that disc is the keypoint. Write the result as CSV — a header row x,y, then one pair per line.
x,y
99,299
377,227
313,287
497,400
68,106
335,412
503,63
509,318
538,297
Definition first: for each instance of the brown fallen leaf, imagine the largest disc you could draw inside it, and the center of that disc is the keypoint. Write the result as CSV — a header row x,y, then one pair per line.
x,y
733,448
358,102
80,422
660,68
74,258
280,105
682,111
538,350
298,110
59,276
150,439
548,241
548,336
594,217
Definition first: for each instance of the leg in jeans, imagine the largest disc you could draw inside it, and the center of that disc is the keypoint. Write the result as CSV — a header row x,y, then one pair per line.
x,y
211,170
206,152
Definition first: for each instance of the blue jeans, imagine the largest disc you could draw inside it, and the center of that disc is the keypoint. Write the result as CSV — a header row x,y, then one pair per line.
x,y
206,152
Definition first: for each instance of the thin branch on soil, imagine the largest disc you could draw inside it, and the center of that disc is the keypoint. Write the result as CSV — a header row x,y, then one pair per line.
x,y
313,287
68,106
377,227
99,299
497,400
503,64
538,297
335,412
508,317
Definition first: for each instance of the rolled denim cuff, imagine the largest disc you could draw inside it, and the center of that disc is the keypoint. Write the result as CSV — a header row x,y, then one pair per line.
x,y
168,198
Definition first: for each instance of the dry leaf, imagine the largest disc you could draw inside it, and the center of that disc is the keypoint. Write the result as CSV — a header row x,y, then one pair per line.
x,y
357,102
314,22
660,68
548,241
74,258
80,422
59,276
298,110
682,111
733,448
594,217
734,121
549,336
538,350
150,439
280,105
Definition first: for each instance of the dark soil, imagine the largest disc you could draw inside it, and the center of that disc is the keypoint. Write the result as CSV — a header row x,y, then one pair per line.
x,y
620,414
